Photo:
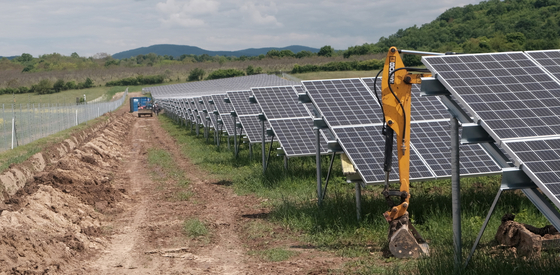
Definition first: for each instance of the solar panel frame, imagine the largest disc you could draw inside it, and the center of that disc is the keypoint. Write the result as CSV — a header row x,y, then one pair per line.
x,y
210,109
296,136
252,128
279,102
365,147
548,59
344,101
540,160
241,104
504,91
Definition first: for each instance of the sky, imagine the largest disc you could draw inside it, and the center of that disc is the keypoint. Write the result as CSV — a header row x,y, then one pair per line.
x,y
111,26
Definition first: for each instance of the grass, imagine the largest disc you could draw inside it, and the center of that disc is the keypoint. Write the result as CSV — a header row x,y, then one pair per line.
x,y
195,228
274,254
165,171
23,152
290,196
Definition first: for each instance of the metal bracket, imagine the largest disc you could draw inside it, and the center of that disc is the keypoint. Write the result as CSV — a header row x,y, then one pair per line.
x,y
270,132
333,146
211,101
238,125
262,117
319,123
474,133
233,114
216,112
280,152
304,98
226,100
514,178
431,86
252,99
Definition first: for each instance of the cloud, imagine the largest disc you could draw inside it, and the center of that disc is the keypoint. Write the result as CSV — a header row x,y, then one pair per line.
x,y
186,13
92,26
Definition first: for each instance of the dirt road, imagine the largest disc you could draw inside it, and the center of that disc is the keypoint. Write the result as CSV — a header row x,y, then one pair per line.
x,y
95,209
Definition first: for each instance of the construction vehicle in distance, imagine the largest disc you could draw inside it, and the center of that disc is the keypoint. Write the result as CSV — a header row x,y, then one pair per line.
x,y
396,86
146,110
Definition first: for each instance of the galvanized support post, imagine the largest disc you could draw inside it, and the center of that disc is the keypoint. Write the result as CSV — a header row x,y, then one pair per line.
x,y
235,136
456,192
250,151
358,201
263,145
285,162
318,163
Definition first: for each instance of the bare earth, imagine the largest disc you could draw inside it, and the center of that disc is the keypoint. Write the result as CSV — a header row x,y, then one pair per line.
x,y
96,210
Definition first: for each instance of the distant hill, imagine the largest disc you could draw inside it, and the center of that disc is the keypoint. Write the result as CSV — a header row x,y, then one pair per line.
x,y
489,26
178,50
9,57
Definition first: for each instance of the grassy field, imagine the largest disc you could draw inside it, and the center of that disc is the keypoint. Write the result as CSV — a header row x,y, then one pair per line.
x,y
290,196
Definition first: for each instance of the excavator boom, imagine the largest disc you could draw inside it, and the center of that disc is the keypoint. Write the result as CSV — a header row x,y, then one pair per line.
x,y
396,86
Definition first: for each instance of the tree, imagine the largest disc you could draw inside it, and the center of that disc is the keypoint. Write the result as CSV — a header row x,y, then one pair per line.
x,y
251,71
303,54
74,55
88,83
284,53
43,87
25,57
327,51
225,73
196,74
273,53
58,85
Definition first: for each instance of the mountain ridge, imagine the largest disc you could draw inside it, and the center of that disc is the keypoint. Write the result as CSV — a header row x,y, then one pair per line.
x,y
178,50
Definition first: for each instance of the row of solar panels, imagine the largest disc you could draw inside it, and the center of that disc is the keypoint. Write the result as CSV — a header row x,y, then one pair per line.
x,y
515,97
353,116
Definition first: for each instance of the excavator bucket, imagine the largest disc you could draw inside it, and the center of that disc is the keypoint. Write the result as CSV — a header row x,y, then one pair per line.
x,y
405,241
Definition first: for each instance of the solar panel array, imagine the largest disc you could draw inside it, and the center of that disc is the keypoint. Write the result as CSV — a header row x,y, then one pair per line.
x,y
346,106
508,92
516,98
210,111
247,113
279,102
224,110
217,86
344,101
291,122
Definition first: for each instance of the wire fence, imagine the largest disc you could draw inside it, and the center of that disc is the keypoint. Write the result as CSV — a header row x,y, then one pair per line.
x,y
23,123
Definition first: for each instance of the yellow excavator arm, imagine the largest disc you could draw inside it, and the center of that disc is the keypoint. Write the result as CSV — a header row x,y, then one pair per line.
x,y
396,88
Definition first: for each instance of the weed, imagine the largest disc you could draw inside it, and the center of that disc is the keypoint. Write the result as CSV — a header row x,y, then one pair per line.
x,y
195,228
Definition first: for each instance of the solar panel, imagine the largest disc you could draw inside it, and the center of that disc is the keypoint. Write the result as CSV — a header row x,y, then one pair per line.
x,y
365,147
296,136
508,92
209,87
423,107
210,108
240,102
279,102
252,128
431,140
344,101
224,109
540,160
549,60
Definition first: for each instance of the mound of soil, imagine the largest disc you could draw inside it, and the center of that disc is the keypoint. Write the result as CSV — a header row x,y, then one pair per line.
x,y
55,215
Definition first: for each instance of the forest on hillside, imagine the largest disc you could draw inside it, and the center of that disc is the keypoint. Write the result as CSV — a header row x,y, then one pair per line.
x,y
490,26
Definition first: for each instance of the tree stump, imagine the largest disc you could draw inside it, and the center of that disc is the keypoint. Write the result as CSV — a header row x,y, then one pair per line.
x,y
528,240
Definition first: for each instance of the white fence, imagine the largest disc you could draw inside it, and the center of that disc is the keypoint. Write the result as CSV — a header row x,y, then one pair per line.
x,y
23,123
